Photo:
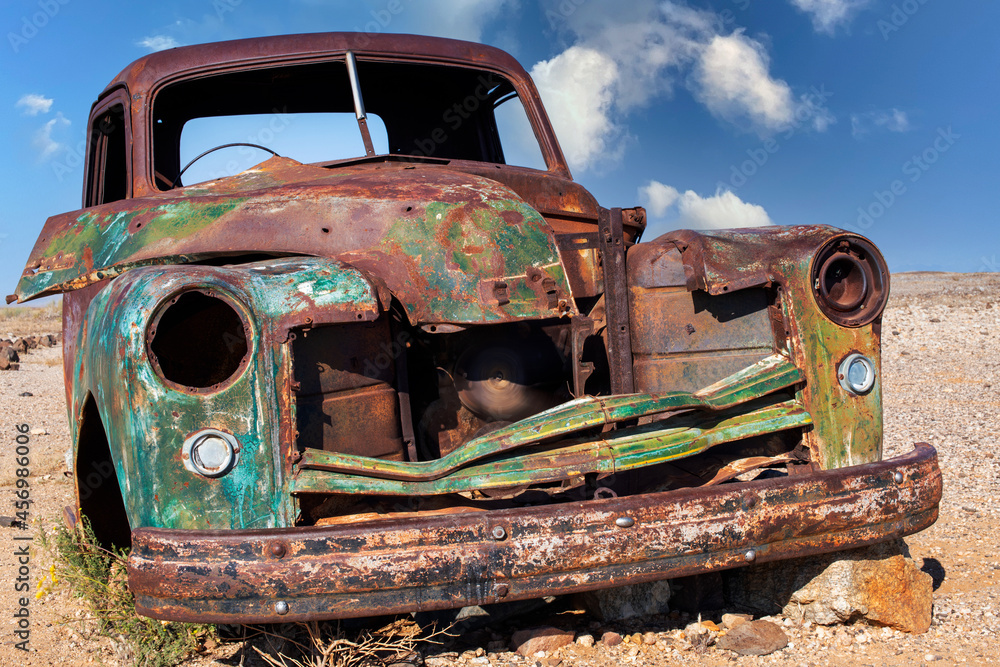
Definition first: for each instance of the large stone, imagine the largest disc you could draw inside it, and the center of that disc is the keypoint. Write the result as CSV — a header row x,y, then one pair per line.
x,y
621,602
545,638
9,359
754,638
877,585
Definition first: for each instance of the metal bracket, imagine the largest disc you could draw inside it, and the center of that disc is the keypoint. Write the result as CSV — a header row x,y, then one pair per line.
x,y
612,247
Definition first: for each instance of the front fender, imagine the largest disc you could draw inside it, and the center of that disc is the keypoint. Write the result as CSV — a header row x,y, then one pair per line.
x,y
147,419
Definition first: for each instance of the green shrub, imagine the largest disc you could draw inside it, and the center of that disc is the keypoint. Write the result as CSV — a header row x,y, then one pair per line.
x,y
99,578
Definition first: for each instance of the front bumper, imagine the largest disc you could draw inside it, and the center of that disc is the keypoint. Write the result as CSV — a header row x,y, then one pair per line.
x,y
474,558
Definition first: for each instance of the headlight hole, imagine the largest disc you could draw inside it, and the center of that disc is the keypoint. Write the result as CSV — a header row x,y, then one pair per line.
x,y
198,341
850,281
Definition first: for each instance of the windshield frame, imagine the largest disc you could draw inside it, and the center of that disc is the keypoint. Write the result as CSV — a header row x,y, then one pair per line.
x,y
519,81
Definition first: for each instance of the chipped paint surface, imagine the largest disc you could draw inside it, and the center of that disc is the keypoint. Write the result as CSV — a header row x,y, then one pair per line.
x,y
392,566
626,449
754,382
375,329
434,235
847,428
148,423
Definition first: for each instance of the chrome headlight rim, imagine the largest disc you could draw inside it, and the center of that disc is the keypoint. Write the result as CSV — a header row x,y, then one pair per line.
x,y
857,374
210,452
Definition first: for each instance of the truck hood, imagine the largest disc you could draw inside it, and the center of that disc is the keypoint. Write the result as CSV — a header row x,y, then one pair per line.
x,y
451,246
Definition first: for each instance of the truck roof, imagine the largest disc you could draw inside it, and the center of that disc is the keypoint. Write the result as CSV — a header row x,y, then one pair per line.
x,y
143,74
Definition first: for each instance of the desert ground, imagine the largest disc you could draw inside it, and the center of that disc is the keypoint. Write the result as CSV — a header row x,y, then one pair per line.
x,y
941,384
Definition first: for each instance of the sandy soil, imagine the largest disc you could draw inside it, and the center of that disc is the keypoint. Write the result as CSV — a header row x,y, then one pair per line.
x,y
941,365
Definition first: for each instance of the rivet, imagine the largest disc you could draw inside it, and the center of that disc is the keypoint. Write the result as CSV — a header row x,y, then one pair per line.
x,y
624,522
898,477
501,591
281,607
750,556
498,533
277,549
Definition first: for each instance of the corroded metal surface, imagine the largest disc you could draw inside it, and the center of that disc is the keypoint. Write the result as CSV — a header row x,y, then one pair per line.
x,y
624,450
847,428
611,241
439,238
362,331
150,421
751,383
460,559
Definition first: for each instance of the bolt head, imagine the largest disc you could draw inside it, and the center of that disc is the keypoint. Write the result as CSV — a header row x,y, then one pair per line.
x,y
281,607
750,556
498,533
898,477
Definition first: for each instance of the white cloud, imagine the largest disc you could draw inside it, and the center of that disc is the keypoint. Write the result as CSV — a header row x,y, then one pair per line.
x,y
34,104
689,210
458,19
578,91
158,43
892,120
43,140
733,81
658,198
631,53
828,14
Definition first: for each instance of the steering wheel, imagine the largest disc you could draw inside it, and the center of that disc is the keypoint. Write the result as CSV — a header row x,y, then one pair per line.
x,y
212,150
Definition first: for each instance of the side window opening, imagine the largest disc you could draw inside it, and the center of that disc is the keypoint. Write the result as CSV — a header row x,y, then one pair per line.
x,y
517,137
108,157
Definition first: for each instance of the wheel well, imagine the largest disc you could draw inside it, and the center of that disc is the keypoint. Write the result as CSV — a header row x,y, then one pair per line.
x,y
100,498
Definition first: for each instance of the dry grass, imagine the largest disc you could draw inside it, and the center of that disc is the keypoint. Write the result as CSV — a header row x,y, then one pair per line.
x,y
31,320
325,645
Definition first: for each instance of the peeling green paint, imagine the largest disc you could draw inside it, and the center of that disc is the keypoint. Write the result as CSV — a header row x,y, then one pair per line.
x,y
758,380
623,450
434,235
147,420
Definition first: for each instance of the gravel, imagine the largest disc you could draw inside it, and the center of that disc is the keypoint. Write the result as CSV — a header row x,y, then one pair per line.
x,y
941,384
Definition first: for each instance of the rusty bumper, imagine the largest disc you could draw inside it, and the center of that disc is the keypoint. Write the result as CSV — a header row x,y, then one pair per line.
x,y
473,558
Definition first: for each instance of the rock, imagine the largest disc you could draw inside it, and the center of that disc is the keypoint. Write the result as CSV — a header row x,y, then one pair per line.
x,y
649,638
48,340
26,394
545,638
586,641
20,346
9,359
731,621
754,638
611,639
38,431
31,342
699,637
875,584
616,604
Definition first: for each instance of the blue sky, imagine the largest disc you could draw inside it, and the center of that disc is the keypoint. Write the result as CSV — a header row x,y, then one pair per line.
x,y
878,116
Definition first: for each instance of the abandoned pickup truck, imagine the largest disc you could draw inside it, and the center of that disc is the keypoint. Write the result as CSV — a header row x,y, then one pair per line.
x,y
385,369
